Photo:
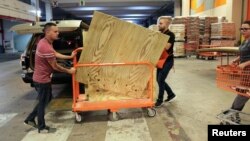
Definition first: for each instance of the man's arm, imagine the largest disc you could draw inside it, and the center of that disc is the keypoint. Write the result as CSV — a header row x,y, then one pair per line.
x,y
171,41
244,65
168,46
61,56
236,60
59,68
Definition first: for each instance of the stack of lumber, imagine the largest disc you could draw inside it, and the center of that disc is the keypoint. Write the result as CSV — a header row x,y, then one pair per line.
x,y
223,34
179,49
179,31
193,33
205,29
179,20
111,40
223,43
223,30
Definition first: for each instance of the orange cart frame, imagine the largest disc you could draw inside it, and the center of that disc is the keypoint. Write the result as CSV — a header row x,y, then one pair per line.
x,y
236,80
80,104
210,55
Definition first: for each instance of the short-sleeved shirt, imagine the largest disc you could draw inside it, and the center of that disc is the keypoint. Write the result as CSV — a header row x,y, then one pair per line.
x,y
245,51
171,40
44,54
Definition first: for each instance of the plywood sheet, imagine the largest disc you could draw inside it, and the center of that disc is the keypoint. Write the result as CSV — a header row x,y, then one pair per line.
x,y
220,49
111,40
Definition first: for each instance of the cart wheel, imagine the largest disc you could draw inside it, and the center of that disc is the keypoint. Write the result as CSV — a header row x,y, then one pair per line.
x,y
113,116
79,117
151,112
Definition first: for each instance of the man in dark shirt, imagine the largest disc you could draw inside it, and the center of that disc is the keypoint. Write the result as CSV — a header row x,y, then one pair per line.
x,y
163,71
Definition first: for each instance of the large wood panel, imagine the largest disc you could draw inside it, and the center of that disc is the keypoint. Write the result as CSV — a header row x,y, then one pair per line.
x,y
111,40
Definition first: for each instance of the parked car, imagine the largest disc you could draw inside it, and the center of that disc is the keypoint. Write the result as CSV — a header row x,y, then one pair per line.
x,y
70,38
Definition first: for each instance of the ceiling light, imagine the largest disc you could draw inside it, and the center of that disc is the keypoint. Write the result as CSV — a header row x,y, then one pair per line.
x,y
38,12
130,21
140,8
87,8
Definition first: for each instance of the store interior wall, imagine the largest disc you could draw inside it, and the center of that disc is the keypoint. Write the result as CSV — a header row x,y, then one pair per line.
x,y
177,8
247,9
237,16
185,8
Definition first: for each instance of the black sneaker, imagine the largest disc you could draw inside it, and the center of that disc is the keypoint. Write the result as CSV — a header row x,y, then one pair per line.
x,y
31,123
236,118
44,130
170,98
158,104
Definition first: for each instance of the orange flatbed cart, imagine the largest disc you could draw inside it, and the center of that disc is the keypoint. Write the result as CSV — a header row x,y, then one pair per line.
x,y
209,55
80,104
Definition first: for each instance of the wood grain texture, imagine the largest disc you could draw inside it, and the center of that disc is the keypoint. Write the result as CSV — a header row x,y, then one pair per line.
x,y
220,49
111,40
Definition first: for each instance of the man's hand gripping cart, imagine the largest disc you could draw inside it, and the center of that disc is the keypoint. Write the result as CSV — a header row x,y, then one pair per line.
x,y
80,104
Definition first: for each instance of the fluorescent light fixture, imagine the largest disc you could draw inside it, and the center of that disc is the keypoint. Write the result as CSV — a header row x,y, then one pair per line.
x,y
87,16
87,8
135,15
130,21
139,18
38,12
100,8
141,8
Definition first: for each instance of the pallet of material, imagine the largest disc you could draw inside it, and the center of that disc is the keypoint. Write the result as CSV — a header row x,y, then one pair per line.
x,y
179,20
205,29
192,29
223,31
111,40
225,43
191,46
179,31
179,49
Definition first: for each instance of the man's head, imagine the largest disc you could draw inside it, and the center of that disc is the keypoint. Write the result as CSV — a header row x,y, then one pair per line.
x,y
164,23
51,31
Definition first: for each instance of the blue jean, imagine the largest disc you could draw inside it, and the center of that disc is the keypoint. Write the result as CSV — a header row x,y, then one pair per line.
x,y
161,77
44,97
239,102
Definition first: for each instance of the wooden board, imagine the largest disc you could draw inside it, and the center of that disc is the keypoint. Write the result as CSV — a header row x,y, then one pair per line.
x,y
111,40
220,49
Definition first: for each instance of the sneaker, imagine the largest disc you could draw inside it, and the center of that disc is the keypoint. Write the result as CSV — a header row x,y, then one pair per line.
x,y
44,130
236,118
170,98
158,104
31,123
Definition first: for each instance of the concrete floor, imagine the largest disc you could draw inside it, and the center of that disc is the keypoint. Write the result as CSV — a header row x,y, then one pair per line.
x,y
186,119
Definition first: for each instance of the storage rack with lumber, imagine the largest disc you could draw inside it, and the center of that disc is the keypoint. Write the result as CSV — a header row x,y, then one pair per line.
x,y
205,29
205,33
193,35
179,31
223,34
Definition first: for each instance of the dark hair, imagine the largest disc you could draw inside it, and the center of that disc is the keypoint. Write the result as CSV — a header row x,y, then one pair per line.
x,y
47,26
246,22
